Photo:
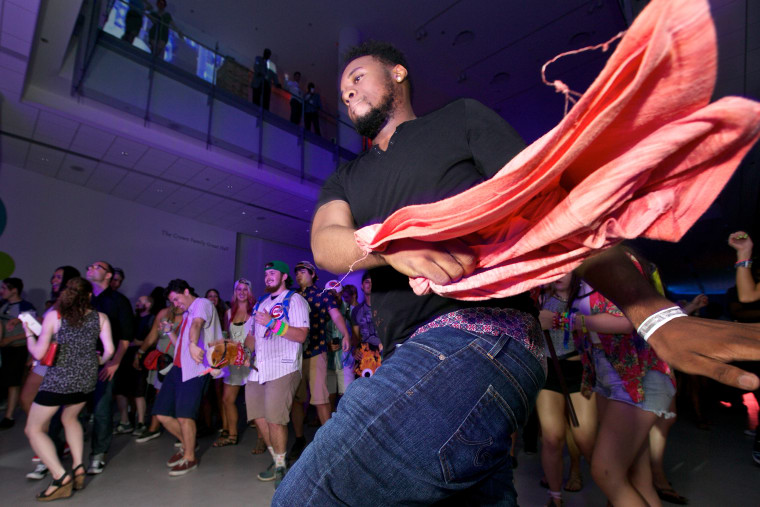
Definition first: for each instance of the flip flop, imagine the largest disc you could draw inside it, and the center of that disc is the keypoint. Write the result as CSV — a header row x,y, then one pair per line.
x,y
670,495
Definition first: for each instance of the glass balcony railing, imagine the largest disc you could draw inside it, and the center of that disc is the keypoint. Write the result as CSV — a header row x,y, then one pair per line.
x,y
133,56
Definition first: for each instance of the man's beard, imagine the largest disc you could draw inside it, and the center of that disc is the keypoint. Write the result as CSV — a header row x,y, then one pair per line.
x,y
271,289
373,122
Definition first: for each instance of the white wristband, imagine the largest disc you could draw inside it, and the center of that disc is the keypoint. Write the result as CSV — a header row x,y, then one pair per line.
x,y
657,320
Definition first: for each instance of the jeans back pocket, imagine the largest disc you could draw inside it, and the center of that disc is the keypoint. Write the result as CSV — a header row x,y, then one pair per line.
x,y
481,442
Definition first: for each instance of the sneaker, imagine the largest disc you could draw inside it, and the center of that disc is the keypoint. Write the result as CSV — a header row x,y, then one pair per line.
x,y
139,429
40,471
96,466
177,444
36,459
147,435
268,474
123,429
183,467
7,423
176,458
296,450
279,474
756,456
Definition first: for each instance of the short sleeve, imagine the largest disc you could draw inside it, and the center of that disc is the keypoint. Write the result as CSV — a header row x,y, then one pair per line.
x,y
298,311
333,189
204,310
493,142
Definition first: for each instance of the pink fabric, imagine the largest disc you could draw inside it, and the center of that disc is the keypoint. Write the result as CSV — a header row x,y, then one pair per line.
x,y
641,154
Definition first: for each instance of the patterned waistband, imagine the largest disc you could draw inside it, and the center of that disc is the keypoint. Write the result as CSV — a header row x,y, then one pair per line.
x,y
495,322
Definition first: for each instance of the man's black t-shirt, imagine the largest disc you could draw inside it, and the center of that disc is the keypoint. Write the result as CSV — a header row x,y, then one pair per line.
x,y
428,159
119,311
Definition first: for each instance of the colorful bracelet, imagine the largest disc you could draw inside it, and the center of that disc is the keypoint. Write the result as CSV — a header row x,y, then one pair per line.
x,y
583,324
746,263
283,328
657,320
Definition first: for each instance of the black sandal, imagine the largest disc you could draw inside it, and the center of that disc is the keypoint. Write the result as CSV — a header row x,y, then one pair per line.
x,y
61,490
79,478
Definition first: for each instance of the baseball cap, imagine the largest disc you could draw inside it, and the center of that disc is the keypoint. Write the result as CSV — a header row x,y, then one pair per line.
x,y
306,264
278,265
334,285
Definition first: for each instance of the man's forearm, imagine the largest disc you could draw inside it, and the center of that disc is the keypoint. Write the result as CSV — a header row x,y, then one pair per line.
x,y
335,250
120,351
614,275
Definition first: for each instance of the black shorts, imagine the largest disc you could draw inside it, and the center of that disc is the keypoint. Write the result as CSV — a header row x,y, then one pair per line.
x,y
571,370
133,21
13,364
49,399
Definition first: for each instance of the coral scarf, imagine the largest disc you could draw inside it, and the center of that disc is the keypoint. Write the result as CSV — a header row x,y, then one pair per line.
x,y
642,153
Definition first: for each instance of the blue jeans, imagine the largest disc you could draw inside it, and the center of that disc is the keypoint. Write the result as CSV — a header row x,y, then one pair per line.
x,y
102,426
433,424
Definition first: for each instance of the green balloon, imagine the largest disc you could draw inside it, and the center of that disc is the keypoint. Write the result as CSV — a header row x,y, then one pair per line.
x,y
3,217
7,266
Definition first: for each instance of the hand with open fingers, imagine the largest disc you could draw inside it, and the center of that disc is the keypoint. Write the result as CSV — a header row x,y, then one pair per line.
x,y
441,262
196,353
742,243
108,371
703,346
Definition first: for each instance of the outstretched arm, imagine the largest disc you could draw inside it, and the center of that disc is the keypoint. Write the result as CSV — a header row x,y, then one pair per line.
x,y
690,344
335,249
746,288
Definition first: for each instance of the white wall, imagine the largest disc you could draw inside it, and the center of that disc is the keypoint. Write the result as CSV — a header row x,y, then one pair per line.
x,y
254,253
52,223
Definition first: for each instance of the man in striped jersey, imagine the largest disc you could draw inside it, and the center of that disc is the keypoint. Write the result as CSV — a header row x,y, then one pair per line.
x,y
282,323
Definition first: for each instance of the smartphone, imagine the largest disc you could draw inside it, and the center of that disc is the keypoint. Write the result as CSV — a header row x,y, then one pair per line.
x,y
31,323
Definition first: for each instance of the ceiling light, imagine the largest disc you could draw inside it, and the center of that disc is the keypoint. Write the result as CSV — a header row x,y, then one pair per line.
x,y
229,187
44,159
159,190
500,78
125,153
242,213
463,37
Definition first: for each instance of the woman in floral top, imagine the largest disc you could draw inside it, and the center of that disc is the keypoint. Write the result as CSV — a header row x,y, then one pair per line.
x,y
634,388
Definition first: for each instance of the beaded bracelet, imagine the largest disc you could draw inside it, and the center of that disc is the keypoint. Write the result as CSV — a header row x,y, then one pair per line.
x,y
657,320
282,329
746,263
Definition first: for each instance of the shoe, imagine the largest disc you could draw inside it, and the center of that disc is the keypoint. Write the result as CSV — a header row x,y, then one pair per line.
x,y
61,490
756,456
39,472
260,448
7,423
268,474
66,451
79,478
183,467
574,483
296,450
123,429
35,459
225,441
279,474
147,435
96,466
670,495
177,444
176,458
139,429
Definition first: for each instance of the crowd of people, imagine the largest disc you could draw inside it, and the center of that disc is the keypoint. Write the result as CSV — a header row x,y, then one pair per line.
x,y
150,367
436,421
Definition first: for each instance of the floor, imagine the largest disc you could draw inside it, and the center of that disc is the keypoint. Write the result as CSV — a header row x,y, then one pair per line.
x,y
709,467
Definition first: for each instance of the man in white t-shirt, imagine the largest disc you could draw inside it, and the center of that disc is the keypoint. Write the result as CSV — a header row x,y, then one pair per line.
x,y
282,323
177,403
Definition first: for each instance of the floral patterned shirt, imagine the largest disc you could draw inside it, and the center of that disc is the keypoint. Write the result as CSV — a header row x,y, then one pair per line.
x,y
320,303
628,353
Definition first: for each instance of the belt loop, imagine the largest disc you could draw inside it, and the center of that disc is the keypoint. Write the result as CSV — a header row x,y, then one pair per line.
x,y
503,339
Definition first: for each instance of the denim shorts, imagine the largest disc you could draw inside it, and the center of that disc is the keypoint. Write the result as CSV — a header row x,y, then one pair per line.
x,y
432,424
658,388
177,398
